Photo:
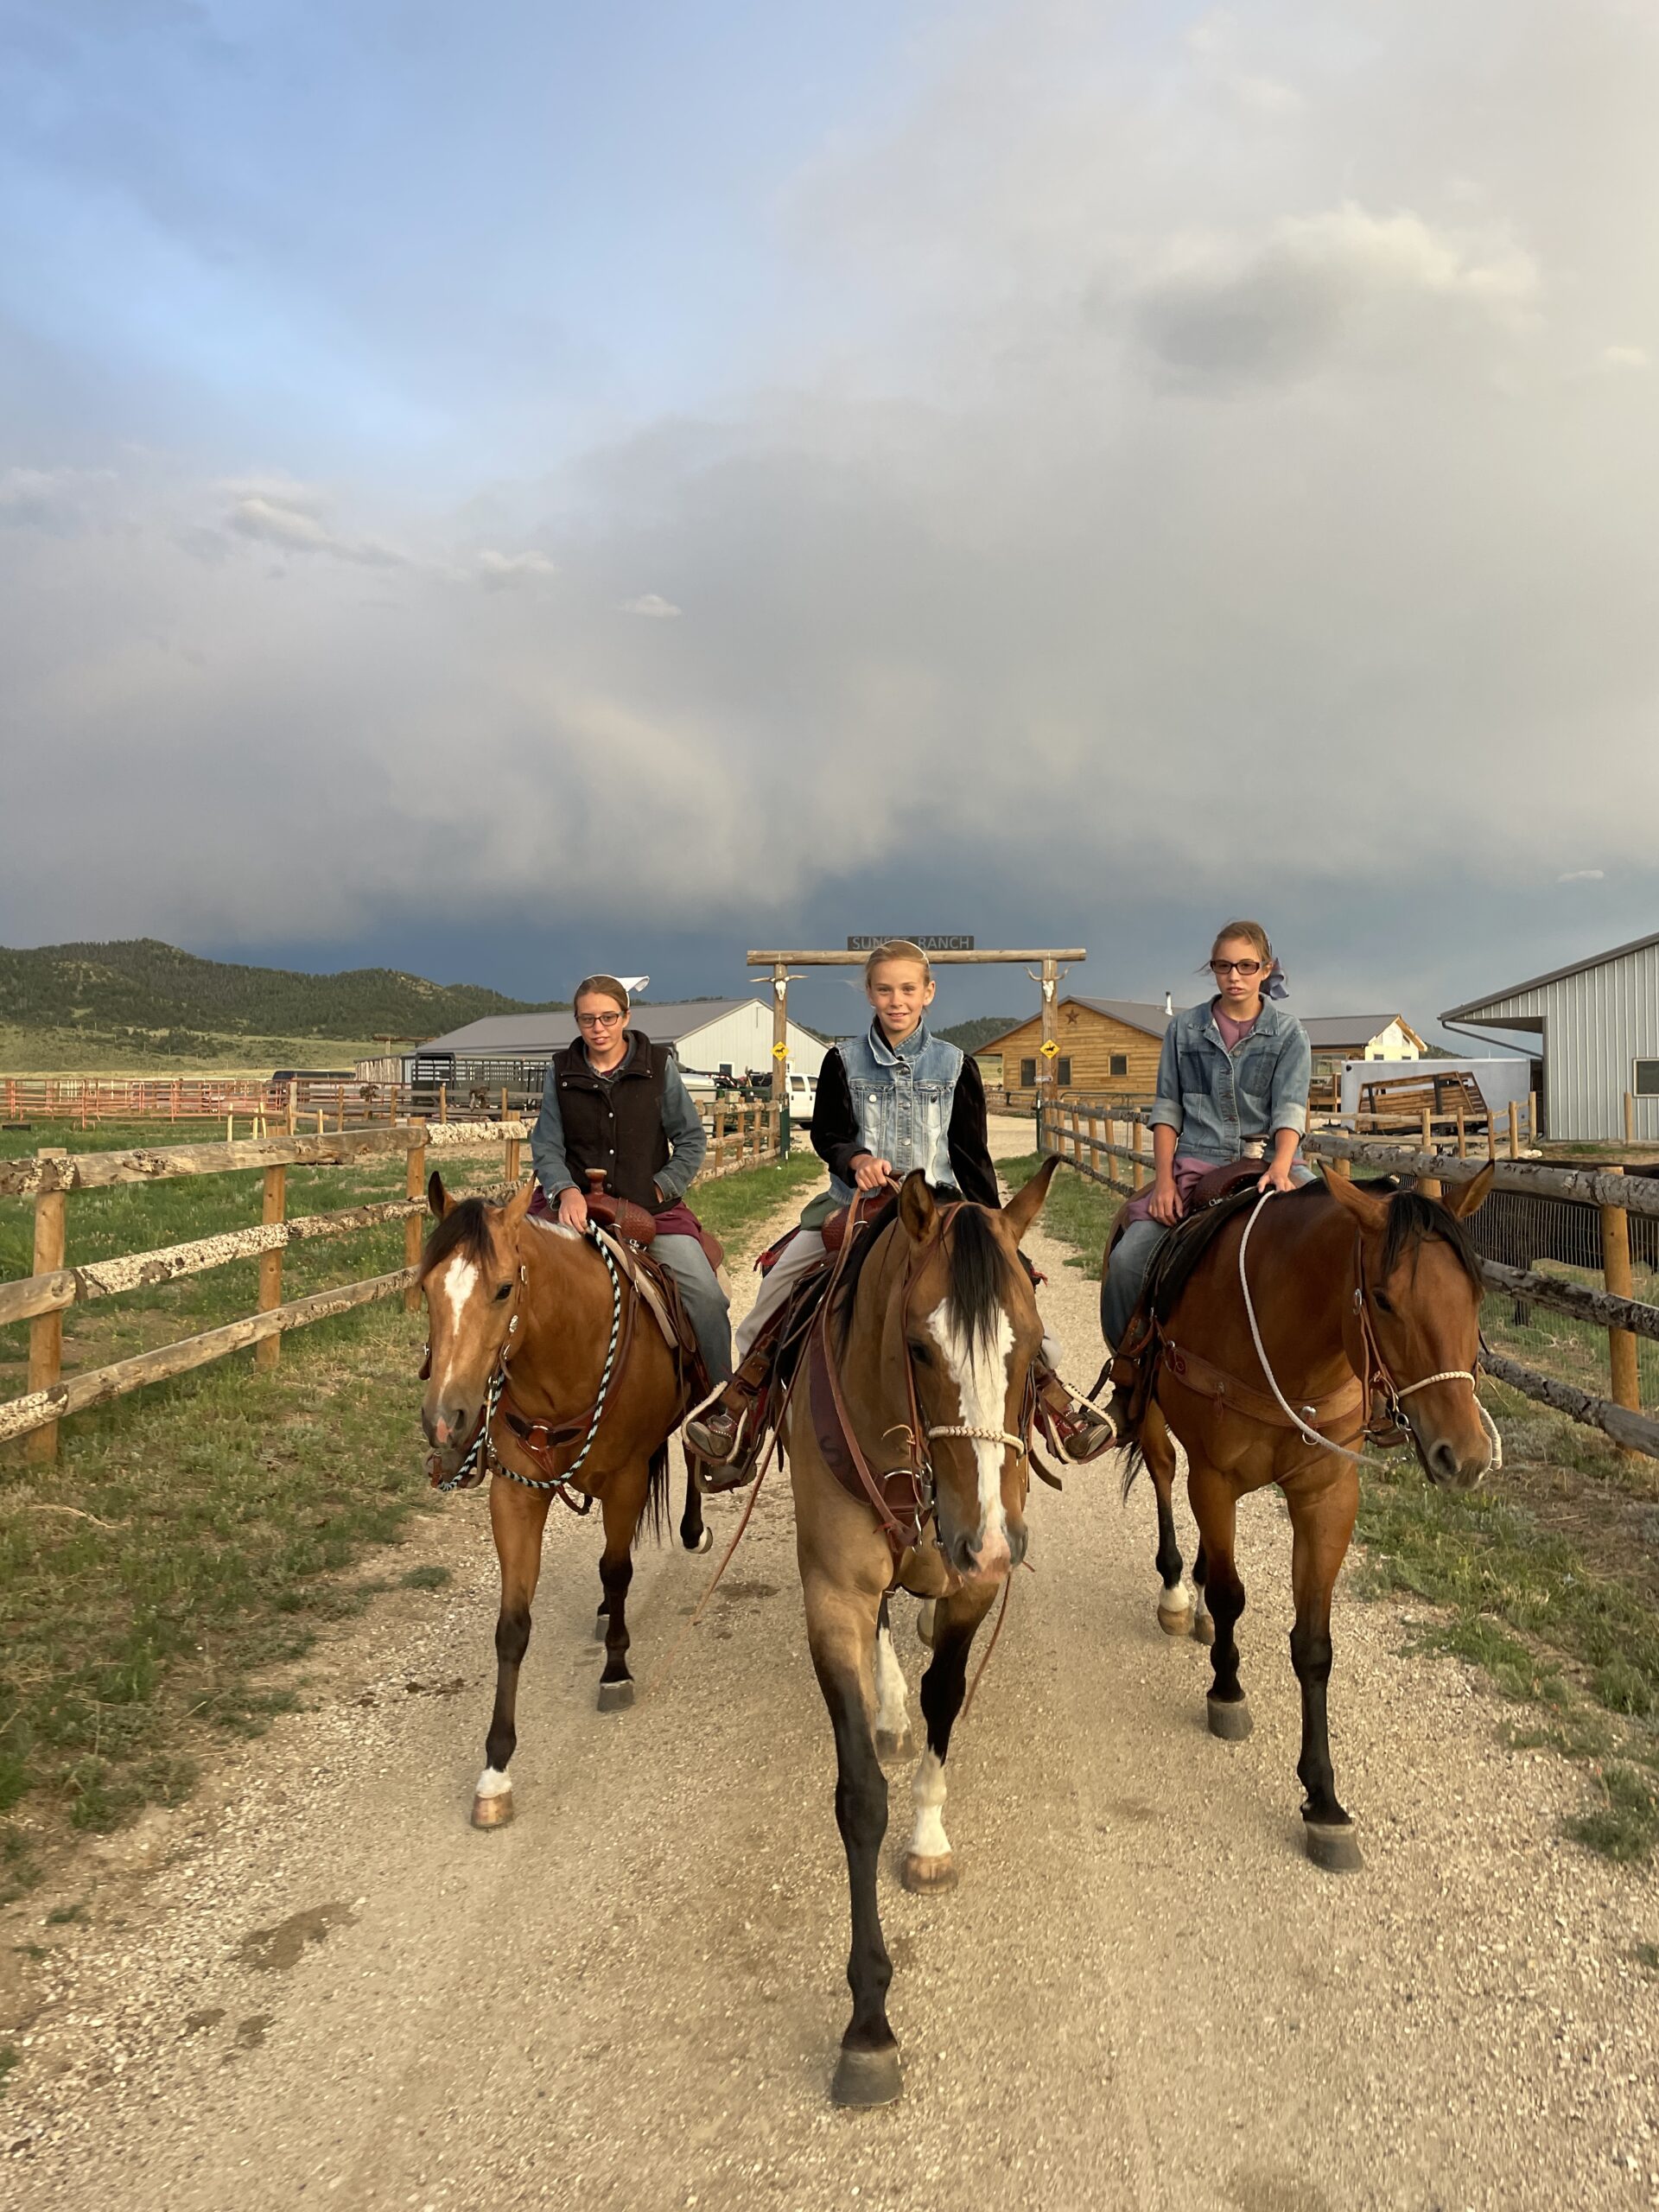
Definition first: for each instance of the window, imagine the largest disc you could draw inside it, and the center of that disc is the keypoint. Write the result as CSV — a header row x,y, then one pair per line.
x,y
1063,1073
1027,1074
1646,1083
1120,1064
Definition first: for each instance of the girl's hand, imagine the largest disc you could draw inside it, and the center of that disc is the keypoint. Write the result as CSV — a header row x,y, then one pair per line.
x,y
1278,1177
573,1208
870,1173
1166,1207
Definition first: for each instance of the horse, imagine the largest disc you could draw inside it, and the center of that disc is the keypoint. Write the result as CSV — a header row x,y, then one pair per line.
x,y
542,1301
1356,1292
928,1337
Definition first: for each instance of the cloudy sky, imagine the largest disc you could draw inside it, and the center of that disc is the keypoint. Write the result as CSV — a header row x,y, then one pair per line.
x,y
495,490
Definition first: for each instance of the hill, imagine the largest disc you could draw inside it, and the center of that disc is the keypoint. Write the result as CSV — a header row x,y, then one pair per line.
x,y
970,1035
67,1004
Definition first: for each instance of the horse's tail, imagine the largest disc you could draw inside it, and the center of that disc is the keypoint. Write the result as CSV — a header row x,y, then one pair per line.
x,y
655,1509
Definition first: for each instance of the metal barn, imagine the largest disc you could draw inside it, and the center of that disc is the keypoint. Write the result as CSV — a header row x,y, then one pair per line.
x,y
1599,1023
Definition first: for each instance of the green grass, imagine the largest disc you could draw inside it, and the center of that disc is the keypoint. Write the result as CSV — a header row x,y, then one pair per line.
x,y
49,1049
10,2057
196,1536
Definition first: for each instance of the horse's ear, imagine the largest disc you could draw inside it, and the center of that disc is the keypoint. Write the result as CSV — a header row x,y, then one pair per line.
x,y
1027,1202
1468,1198
436,1197
916,1208
518,1204
1369,1211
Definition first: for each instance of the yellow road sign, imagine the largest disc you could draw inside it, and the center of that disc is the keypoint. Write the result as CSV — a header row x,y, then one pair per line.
x,y
1051,1051
780,1051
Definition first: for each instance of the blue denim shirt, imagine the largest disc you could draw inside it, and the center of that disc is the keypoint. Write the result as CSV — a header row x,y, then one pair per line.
x,y
1221,1101
902,1100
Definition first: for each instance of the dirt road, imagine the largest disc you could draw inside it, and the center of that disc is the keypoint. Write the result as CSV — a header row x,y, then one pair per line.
x,y
315,1984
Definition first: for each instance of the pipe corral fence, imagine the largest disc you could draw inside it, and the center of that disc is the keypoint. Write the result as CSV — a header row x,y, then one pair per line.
x,y
739,1137
1572,1254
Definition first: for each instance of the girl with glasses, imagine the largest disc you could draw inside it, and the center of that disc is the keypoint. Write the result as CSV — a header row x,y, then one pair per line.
x,y
1233,1085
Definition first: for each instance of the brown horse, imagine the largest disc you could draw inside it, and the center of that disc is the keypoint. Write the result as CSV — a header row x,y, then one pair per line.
x,y
531,1297
1359,1295
931,1332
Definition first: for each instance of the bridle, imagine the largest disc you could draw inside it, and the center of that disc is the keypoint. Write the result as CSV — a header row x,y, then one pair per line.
x,y
1376,1378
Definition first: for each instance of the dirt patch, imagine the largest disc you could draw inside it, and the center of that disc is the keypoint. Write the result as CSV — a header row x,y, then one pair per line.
x,y
274,1950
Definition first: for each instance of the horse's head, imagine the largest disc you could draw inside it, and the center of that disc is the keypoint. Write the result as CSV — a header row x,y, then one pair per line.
x,y
971,1333
1422,1292
471,1274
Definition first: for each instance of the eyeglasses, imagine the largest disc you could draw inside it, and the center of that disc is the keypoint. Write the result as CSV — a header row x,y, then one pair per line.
x,y
1235,967
597,1020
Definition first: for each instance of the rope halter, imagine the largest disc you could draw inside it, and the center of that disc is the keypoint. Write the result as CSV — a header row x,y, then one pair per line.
x,y
988,1435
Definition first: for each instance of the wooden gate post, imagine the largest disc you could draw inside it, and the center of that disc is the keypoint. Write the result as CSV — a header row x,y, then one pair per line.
x,y
414,1188
1616,1274
1514,1131
268,1350
46,1330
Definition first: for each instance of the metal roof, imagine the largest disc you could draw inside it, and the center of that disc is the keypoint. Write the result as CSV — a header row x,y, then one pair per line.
x,y
1328,1032
1325,1033
527,1035
1130,1012
1471,1012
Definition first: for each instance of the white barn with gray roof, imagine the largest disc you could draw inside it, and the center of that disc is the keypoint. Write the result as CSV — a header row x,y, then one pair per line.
x,y
708,1036
1599,1020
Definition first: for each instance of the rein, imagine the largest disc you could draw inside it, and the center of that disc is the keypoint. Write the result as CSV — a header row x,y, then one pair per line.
x,y
1376,1367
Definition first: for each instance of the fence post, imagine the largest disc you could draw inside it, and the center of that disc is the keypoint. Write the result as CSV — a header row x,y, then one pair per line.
x,y
293,1108
1616,1274
514,1171
46,1330
1463,1143
1515,1130
414,1188
268,1350
1532,1119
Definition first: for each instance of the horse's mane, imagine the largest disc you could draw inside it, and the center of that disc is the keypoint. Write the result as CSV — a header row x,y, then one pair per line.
x,y
978,1275
464,1228
1413,1219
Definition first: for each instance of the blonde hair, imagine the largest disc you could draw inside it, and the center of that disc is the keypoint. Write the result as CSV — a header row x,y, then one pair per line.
x,y
601,987
897,948
1252,932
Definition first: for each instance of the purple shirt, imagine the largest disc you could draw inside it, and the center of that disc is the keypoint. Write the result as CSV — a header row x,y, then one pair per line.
x,y
1186,1170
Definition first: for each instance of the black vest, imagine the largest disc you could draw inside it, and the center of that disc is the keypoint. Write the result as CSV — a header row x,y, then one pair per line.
x,y
618,1125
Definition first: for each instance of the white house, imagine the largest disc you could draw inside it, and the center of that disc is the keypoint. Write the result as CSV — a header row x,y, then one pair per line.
x,y
709,1036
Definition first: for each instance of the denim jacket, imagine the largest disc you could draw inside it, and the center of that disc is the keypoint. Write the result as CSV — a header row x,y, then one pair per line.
x,y
1221,1101
902,1101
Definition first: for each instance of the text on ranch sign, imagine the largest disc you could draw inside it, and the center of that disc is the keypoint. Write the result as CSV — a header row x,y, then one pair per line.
x,y
927,943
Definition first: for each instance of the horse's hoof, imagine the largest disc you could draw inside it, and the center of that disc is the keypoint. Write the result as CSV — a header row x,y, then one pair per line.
x,y
929,1876
615,1697
492,1812
1174,1620
704,1541
1334,1848
1204,1628
889,1747
864,2078
1228,1719
924,1622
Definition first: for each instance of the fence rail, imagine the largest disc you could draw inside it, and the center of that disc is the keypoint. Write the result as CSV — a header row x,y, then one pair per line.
x,y
1121,1159
739,1138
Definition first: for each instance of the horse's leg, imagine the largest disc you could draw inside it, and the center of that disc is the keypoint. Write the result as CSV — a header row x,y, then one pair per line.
x,y
1214,1506
925,1617
1158,1447
517,1519
694,1535
622,1505
1321,1521
892,1737
1204,1626
929,1864
841,1628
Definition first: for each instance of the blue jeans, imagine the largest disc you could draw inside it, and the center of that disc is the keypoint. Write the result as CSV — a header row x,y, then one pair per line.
x,y
1125,1277
705,1301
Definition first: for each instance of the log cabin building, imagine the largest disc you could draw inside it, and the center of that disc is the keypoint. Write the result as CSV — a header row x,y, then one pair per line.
x,y
1108,1047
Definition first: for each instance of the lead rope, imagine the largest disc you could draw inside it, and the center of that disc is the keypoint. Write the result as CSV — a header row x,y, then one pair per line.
x,y
1312,1435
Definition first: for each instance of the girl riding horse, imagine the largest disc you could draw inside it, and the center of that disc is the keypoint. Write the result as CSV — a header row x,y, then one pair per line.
x,y
896,1100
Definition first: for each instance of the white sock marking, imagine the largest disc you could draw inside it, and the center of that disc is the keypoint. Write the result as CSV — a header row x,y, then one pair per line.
x,y
980,1374
493,1783
928,1839
891,1715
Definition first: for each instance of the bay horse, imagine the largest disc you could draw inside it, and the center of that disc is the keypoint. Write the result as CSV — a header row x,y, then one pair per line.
x,y
928,1337
596,1393
1357,1293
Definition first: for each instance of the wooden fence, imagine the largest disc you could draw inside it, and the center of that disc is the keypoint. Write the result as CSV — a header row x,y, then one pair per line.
x,y
1116,1149
741,1137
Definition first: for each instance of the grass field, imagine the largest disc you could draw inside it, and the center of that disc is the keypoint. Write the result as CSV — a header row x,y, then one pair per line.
x,y
1549,1577
25,1050
194,1537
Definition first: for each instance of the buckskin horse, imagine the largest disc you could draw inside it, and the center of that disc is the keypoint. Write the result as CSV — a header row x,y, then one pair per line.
x,y
1363,1299
906,1434
547,1304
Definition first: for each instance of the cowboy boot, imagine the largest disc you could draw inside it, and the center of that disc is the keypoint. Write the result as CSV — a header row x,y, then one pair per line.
x,y
1076,1430
725,1436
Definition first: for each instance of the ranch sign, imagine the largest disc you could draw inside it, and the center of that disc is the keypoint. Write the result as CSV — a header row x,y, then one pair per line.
x,y
927,943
